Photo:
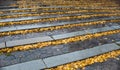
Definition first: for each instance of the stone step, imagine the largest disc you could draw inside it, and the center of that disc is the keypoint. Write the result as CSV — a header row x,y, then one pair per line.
x,y
31,26
2,45
16,13
59,7
46,16
118,42
33,8
53,6
56,37
77,33
40,11
89,8
79,55
31,65
62,59
28,41
49,11
34,17
7,7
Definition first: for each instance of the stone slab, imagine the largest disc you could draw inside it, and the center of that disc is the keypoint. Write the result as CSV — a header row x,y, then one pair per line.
x,y
102,29
38,8
30,12
30,26
79,55
34,26
116,27
22,27
2,45
40,17
4,29
31,65
7,7
27,41
68,35
84,32
34,17
118,42
14,13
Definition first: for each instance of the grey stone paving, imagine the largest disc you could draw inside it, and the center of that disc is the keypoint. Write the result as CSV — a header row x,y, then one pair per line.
x,y
34,17
11,28
33,8
31,65
68,35
33,35
54,32
49,51
47,38
110,64
61,59
41,17
47,24
4,3
7,7
118,42
33,12
28,41
88,8
2,45
85,32
78,55
27,60
14,13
